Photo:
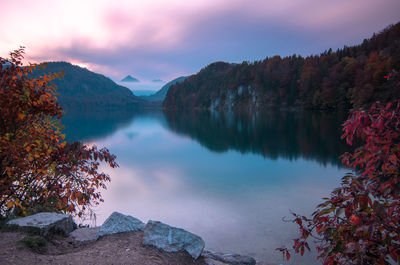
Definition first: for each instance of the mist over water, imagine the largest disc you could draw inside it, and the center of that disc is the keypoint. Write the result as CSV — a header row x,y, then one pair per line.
x,y
143,88
228,178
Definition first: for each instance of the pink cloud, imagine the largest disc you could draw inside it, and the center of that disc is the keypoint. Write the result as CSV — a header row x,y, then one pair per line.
x,y
100,33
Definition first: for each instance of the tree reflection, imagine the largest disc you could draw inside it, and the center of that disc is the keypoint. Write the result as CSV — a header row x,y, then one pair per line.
x,y
272,134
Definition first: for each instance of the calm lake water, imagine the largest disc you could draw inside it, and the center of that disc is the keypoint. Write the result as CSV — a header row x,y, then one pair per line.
x,y
228,178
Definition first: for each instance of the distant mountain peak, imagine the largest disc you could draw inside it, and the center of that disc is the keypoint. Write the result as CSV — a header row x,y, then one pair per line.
x,y
158,81
129,78
82,88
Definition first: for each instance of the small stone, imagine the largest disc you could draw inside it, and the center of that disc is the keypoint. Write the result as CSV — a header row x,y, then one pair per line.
x,y
232,259
120,223
46,223
172,239
210,261
85,234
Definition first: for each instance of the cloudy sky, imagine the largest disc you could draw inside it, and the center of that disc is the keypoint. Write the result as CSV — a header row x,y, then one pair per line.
x,y
152,39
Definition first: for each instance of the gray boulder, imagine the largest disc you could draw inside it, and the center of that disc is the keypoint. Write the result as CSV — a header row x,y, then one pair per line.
x,y
232,259
172,239
85,234
210,261
46,223
119,223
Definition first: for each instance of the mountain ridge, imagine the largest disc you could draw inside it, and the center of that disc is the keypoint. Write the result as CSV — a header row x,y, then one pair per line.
x,y
82,88
354,76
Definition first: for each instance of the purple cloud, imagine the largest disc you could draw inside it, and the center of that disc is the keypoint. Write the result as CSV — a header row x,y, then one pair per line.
x,y
158,39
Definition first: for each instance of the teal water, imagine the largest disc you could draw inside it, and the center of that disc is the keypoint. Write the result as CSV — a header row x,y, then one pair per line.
x,y
228,178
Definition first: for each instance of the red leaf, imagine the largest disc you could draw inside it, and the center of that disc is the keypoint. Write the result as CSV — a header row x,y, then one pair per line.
x,y
287,255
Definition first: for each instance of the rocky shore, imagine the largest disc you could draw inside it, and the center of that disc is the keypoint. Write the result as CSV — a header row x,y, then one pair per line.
x,y
178,244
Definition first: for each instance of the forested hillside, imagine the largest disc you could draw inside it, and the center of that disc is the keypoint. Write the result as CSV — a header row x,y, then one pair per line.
x,y
350,77
80,87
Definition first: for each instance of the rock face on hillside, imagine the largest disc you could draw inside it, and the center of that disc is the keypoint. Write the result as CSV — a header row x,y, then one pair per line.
x,y
46,223
172,239
119,223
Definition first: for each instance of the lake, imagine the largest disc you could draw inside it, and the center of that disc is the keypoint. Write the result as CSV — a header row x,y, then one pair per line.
x,y
229,178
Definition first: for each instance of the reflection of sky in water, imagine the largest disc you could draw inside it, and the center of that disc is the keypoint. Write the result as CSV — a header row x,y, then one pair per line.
x,y
234,201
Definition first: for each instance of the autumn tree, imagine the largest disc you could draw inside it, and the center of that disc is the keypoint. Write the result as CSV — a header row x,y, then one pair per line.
x,y
351,77
360,222
37,167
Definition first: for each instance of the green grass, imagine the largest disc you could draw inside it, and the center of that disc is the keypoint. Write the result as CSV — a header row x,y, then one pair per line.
x,y
35,243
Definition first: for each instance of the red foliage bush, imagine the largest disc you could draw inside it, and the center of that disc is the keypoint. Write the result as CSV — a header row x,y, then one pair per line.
x,y
360,222
37,167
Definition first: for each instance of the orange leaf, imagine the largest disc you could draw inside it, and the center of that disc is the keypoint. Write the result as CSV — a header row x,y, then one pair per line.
x,y
21,116
10,204
8,171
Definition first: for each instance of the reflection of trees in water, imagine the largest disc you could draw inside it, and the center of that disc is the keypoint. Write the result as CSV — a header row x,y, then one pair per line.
x,y
272,134
87,124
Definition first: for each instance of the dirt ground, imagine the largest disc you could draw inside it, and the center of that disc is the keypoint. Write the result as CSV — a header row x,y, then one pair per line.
x,y
124,248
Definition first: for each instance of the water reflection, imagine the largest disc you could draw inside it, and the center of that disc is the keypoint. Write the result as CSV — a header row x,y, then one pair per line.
x,y
87,124
228,178
272,134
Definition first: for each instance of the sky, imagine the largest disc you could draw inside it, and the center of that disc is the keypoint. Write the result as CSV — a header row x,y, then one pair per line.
x,y
151,39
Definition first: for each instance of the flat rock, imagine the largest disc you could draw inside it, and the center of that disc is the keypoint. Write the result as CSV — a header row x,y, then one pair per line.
x,y
210,261
172,239
120,223
85,234
232,259
46,223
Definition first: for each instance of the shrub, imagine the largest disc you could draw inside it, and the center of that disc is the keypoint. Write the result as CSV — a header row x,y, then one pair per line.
x,y
360,222
37,167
